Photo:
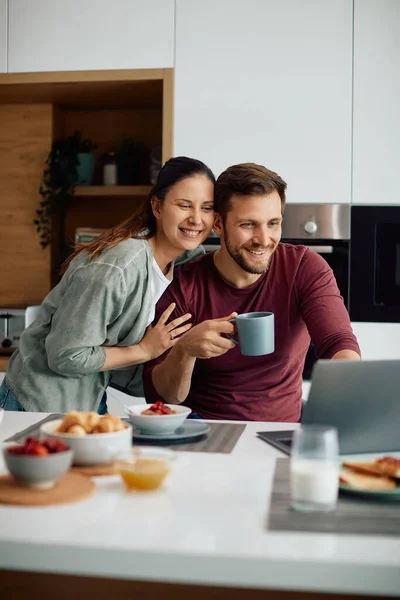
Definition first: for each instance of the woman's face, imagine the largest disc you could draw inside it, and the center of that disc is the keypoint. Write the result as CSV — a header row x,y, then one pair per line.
x,y
186,216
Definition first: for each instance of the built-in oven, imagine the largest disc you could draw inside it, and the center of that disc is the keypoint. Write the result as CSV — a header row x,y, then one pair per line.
x,y
375,264
212,243
324,228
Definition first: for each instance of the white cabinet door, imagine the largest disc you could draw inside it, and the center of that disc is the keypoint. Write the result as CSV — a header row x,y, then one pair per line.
x,y
3,36
378,341
376,162
270,82
49,35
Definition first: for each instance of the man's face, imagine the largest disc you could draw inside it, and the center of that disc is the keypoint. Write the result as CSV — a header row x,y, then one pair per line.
x,y
251,231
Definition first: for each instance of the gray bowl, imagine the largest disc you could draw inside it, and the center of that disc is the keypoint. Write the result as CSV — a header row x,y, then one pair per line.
x,y
39,472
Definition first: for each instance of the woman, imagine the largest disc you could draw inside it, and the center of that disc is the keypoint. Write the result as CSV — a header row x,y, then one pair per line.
x,y
96,319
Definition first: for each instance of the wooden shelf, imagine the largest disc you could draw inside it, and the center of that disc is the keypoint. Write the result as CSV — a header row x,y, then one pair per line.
x,y
6,351
113,190
135,88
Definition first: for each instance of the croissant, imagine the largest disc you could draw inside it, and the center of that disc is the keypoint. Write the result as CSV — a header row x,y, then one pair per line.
x,y
117,422
71,418
82,422
105,425
91,421
77,430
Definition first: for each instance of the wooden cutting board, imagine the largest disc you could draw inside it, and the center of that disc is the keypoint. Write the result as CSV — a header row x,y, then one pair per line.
x,y
95,470
71,487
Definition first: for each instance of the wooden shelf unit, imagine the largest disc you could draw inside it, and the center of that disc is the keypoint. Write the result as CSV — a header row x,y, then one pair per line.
x,y
113,190
35,109
4,362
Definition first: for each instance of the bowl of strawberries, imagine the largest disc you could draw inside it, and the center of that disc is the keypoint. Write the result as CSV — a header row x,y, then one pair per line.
x,y
159,418
38,463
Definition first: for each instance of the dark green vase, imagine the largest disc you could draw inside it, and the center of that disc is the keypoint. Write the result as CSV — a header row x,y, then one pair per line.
x,y
85,168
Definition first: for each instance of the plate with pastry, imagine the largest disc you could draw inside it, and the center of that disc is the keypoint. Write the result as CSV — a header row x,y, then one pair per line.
x,y
95,439
379,478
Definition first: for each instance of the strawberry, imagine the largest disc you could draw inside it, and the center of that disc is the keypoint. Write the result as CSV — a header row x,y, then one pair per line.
x,y
39,450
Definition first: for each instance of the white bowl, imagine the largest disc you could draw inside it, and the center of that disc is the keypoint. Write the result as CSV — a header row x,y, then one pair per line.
x,y
39,472
145,467
157,424
93,448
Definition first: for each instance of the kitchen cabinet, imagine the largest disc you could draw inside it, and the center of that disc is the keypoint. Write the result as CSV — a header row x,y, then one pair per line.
x,y
376,144
3,36
268,82
378,341
95,34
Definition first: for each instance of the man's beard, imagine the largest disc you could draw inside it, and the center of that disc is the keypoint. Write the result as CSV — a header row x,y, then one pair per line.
x,y
240,259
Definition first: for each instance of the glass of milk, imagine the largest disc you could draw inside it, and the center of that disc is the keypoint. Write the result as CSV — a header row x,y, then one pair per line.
x,y
314,468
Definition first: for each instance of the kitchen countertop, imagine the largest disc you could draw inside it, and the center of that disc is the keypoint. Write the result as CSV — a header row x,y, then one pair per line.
x,y
206,526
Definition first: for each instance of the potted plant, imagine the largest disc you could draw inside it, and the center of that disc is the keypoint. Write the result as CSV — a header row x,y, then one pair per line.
x,y
129,155
61,174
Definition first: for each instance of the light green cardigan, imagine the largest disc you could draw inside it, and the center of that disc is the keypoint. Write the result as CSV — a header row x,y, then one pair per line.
x,y
102,302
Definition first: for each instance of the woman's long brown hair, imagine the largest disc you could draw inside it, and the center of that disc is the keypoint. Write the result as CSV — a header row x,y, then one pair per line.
x,y
142,223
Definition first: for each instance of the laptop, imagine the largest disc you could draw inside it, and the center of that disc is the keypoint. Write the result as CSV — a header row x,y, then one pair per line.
x,y
360,398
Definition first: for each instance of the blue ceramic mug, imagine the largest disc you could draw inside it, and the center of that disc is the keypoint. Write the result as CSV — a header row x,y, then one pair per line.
x,y
256,333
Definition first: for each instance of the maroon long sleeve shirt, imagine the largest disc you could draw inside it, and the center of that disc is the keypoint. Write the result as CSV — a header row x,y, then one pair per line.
x,y
301,290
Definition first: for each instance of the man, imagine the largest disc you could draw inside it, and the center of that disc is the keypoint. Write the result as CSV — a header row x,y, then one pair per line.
x,y
251,272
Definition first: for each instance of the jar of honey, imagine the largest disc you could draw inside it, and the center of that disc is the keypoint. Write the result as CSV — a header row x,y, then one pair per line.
x,y
145,468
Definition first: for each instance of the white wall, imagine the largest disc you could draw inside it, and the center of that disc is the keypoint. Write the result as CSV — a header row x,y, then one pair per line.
x,y
376,158
3,36
79,35
378,341
268,81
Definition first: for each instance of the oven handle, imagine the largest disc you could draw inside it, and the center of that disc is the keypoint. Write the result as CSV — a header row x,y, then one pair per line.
x,y
321,249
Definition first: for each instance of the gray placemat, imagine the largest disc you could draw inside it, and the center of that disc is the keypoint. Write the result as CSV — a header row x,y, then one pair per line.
x,y
353,515
222,437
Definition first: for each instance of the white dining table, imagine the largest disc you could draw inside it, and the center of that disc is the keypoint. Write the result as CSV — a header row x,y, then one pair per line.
x,y
207,526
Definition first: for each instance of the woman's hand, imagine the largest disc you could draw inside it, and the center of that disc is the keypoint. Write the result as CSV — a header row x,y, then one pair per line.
x,y
163,335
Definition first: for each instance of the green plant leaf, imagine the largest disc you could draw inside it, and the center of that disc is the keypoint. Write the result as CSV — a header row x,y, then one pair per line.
x,y
57,186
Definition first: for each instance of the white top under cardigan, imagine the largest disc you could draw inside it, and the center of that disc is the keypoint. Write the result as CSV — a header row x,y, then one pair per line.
x,y
159,283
